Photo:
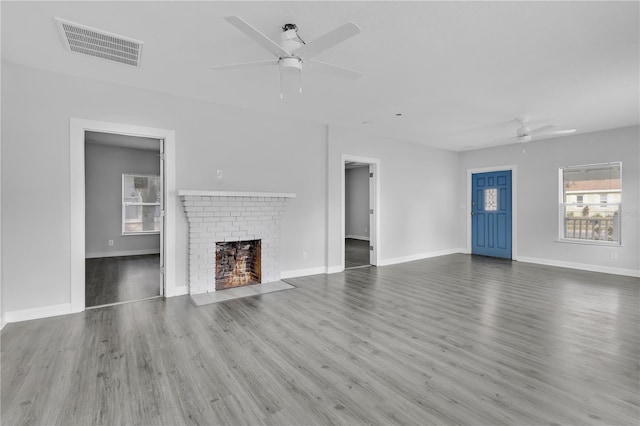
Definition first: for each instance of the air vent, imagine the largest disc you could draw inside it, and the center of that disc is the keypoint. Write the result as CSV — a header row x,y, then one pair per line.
x,y
101,44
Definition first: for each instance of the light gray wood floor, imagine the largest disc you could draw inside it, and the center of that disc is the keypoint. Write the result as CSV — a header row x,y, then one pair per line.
x,y
450,340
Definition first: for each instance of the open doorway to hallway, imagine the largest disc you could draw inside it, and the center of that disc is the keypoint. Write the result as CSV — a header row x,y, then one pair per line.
x,y
356,209
360,203
123,220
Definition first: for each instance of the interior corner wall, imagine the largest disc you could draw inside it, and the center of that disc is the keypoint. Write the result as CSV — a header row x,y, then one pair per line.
x,y
418,189
104,166
356,208
537,189
256,152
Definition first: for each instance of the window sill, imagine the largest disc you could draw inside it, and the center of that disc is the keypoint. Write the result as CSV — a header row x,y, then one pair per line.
x,y
589,242
140,233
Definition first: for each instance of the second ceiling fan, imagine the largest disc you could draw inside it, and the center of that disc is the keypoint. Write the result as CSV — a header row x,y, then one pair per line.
x,y
292,51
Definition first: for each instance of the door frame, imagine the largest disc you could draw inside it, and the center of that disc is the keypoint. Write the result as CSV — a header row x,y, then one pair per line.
x,y
514,205
77,130
374,201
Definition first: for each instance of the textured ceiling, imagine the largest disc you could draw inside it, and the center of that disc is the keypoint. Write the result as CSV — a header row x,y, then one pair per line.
x,y
458,72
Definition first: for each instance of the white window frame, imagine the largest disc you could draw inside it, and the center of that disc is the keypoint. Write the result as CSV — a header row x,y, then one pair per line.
x,y
562,208
141,204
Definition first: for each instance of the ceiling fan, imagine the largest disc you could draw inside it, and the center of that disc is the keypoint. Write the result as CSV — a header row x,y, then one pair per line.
x,y
292,51
526,133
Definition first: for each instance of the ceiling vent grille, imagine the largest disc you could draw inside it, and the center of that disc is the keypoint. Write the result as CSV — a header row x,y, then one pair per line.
x,y
101,44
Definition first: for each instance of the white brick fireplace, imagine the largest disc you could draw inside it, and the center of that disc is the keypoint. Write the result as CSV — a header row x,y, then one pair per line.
x,y
223,216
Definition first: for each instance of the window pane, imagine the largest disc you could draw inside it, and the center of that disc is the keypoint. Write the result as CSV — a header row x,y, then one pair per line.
x,y
141,189
491,199
142,218
593,223
597,179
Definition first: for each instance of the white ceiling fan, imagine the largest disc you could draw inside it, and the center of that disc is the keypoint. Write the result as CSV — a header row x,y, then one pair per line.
x,y
526,133
292,51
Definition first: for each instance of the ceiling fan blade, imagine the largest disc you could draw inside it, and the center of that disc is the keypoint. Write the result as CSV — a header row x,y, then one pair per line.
x,y
244,65
541,129
257,36
326,41
335,70
562,132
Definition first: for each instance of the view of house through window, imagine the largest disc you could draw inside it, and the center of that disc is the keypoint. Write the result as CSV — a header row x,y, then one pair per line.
x,y
140,204
591,202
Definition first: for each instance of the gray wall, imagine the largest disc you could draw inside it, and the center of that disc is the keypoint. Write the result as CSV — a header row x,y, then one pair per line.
x,y
104,166
411,177
255,152
420,186
356,208
537,189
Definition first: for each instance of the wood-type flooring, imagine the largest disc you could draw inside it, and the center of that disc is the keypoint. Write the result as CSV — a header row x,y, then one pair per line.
x,y
356,253
453,340
121,279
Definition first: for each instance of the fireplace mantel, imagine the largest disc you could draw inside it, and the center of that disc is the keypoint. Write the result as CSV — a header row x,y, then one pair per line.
x,y
203,193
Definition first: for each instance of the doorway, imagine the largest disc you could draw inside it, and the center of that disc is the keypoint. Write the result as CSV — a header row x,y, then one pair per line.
x,y
491,214
123,222
360,201
168,258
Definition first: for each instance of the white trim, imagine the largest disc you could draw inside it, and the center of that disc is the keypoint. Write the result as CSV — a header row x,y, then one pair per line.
x,y
335,269
177,291
586,242
581,266
303,272
514,205
122,253
77,204
374,166
2,322
197,192
357,237
419,256
36,313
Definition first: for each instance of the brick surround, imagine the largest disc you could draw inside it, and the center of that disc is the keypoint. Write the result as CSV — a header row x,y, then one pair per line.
x,y
220,216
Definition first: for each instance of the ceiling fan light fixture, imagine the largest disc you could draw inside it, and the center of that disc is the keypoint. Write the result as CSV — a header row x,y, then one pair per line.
x,y
290,65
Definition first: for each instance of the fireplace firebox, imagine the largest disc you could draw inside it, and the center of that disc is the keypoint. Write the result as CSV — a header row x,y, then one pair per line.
x,y
238,263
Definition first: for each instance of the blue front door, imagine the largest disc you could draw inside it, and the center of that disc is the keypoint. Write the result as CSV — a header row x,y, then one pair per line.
x,y
491,214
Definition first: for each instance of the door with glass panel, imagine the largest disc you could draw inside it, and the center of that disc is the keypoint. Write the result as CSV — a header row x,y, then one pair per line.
x,y
491,214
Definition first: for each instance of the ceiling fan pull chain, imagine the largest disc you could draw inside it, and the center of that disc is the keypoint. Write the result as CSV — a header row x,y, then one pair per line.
x,y
300,81
281,93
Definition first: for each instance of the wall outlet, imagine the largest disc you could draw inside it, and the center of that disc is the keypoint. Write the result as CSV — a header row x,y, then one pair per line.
x,y
110,242
366,229
305,254
614,255
219,174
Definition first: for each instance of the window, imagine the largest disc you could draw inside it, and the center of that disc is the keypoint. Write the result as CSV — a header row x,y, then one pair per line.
x,y
591,202
140,204
603,199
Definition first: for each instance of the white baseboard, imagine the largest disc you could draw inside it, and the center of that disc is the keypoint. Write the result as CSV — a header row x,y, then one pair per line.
x,y
303,272
121,253
357,237
2,323
334,269
177,291
581,266
36,313
419,256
